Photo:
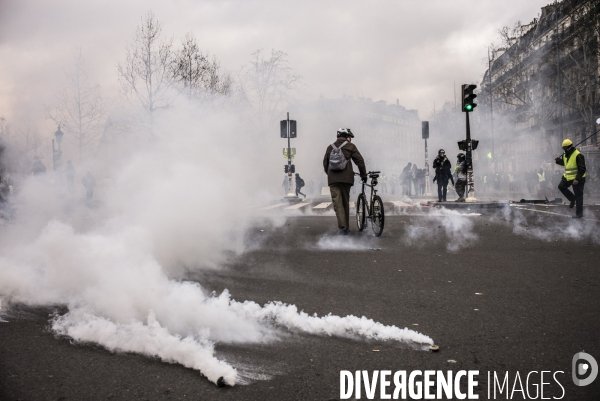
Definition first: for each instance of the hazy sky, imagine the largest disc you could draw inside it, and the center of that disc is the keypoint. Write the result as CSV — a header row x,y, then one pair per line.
x,y
412,50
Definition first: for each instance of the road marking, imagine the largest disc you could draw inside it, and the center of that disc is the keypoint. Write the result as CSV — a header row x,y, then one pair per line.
x,y
323,205
296,206
552,213
272,206
401,204
352,205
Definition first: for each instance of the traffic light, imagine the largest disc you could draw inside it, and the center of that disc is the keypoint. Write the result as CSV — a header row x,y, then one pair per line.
x,y
293,131
467,98
292,169
285,169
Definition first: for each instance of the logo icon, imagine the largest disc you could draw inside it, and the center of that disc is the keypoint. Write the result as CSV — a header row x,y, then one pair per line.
x,y
589,368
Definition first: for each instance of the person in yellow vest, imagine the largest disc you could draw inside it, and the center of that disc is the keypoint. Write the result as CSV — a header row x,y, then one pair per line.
x,y
574,163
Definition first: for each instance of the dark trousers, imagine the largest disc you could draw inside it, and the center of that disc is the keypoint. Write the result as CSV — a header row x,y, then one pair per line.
x,y
298,192
442,188
460,188
340,196
577,196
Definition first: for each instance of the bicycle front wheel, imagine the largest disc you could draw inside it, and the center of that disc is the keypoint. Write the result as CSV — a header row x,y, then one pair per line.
x,y
360,212
378,216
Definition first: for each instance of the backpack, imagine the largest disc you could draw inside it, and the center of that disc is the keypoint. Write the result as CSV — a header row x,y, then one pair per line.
x,y
301,182
337,160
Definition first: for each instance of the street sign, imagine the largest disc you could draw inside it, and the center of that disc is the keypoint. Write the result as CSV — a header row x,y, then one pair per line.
x,y
283,128
285,152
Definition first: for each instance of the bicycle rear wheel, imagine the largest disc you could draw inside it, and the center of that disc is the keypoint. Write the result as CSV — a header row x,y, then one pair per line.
x,y
378,217
360,212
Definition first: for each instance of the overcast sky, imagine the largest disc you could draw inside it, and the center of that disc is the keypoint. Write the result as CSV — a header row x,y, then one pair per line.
x,y
411,50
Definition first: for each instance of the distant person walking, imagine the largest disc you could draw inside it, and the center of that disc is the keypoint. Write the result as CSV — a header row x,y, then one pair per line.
x,y
89,182
299,184
340,175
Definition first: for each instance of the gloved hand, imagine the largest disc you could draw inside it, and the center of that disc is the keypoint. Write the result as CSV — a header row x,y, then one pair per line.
x,y
363,178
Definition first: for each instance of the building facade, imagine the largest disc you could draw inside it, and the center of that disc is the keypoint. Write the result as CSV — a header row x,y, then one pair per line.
x,y
543,85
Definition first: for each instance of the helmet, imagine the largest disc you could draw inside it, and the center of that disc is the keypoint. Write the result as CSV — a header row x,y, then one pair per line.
x,y
441,151
345,132
461,156
566,143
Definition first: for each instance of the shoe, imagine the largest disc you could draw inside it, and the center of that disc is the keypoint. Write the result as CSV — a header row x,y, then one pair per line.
x,y
343,232
577,217
571,204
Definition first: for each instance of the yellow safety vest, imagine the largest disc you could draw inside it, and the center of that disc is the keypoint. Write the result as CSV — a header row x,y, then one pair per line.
x,y
542,177
571,166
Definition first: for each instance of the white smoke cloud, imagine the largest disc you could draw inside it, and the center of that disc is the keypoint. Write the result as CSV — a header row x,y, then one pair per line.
x,y
452,226
119,262
549,226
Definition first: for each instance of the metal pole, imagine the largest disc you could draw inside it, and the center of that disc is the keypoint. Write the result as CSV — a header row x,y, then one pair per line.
x,y
289,151
491,102
53,156
469,158
427,186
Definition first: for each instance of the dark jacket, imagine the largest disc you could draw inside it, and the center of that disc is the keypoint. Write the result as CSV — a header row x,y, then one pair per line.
x,y
443,168
580,163
347,176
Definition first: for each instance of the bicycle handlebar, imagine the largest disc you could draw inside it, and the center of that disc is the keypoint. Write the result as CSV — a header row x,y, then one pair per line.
x,y
369,173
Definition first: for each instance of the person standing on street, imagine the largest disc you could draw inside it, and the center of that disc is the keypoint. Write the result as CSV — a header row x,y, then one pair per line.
x,y
542,180
574,175
299,185
406,180
89,182
461,177
443,173
340,175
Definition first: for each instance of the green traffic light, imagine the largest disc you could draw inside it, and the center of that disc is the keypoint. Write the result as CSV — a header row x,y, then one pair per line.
x,y
469,107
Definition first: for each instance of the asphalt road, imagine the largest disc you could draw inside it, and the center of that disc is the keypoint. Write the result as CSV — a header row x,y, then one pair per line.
x,y
539,304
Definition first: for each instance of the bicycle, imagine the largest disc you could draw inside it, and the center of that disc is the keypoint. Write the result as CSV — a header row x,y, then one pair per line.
x,y
372,210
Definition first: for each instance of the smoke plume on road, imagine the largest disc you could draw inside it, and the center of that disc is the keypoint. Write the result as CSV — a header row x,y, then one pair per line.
x,y
119,261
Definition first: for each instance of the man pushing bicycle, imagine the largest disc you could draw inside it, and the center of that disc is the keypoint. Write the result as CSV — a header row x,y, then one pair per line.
x,y
340,175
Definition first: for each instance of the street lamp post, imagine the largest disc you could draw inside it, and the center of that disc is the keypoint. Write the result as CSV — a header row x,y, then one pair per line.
x,y
57,153
425,135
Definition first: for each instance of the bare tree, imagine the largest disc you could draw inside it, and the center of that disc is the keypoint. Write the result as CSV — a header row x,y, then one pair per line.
x,y
196,75
146,76
80,108
580,67
29,141
525,88
267,83
5,133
